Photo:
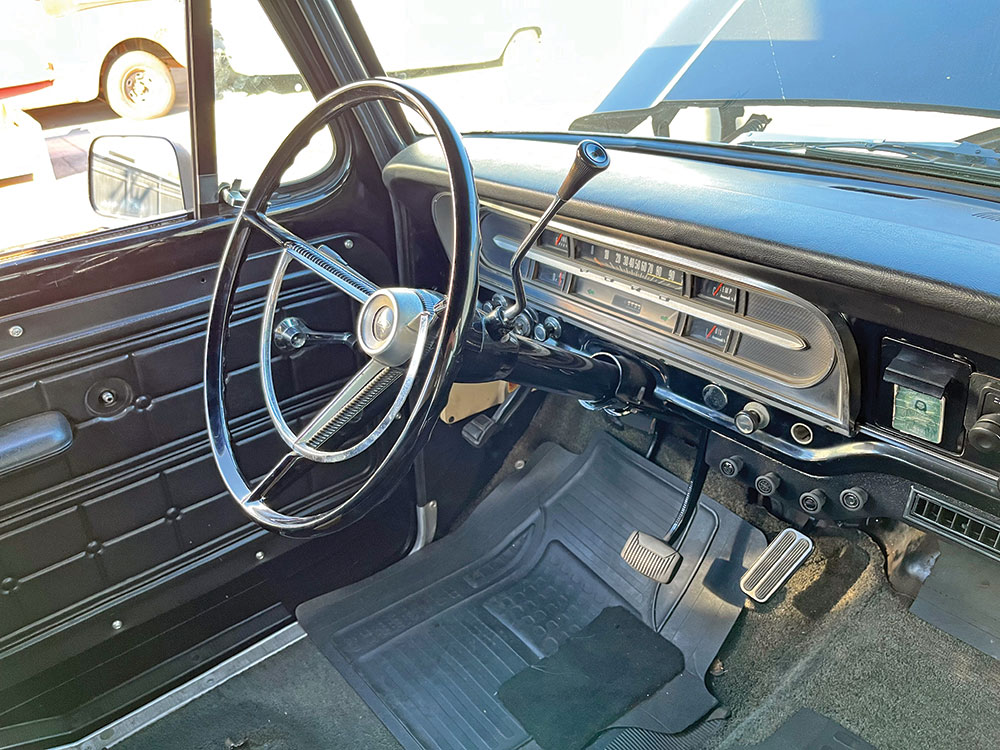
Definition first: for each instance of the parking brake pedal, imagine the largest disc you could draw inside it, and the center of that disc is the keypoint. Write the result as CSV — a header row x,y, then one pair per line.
x,y
478,430
777,562
652,557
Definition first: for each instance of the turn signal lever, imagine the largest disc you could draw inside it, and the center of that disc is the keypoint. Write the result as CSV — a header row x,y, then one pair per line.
x,y
591,159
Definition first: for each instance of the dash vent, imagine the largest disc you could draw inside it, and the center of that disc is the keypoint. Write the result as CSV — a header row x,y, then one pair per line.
x,y
945,517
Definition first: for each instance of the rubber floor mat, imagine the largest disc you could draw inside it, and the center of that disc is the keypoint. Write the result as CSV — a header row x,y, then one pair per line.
x,y
961,597
808,730
427,642
594,677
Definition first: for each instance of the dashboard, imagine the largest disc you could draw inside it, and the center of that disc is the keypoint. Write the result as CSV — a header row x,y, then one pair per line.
x,y
840,339
658,299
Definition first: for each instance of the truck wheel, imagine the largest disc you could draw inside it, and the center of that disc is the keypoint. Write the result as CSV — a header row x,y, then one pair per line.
x,y
138,85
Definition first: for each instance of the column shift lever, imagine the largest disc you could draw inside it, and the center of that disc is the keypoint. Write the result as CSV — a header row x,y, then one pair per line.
x,y
591,159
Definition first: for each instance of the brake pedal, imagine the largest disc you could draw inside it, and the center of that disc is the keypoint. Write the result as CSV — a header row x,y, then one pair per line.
x,y
652,557
777,562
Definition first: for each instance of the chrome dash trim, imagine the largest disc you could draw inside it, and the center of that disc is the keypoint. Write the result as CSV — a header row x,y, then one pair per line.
x,y
841,367
777,336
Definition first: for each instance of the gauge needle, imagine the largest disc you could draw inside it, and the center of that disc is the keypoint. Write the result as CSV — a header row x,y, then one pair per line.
x,y
710,332
559,239
717,288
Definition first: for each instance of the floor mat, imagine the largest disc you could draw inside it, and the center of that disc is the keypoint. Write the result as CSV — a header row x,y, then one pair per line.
x,y
808,730
962,597
427,642
594,677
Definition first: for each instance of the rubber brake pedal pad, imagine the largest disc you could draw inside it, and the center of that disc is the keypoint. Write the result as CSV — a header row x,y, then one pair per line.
x,y
652,557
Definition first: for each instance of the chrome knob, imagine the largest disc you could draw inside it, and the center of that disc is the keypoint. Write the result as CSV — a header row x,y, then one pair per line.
x,y
524,325
731,467
854,498
290,333
714,396
550,328
753,417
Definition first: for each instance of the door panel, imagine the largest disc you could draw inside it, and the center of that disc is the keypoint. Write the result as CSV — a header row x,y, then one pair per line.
x,y
136,499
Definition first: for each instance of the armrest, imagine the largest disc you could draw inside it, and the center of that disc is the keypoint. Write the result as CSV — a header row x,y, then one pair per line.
x,y
33,439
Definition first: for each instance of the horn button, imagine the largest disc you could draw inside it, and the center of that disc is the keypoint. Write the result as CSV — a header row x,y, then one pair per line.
x,y
387,327
383,322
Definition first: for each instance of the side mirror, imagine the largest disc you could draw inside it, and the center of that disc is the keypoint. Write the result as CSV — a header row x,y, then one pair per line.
x,y
138,177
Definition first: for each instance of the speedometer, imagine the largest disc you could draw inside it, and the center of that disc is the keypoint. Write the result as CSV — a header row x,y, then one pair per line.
x,y
631,264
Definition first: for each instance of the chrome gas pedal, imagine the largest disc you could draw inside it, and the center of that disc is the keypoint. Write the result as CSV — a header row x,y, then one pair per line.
x,y
777,562
652,557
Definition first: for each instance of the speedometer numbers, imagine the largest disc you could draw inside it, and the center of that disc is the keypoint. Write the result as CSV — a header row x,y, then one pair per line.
x,y
631,264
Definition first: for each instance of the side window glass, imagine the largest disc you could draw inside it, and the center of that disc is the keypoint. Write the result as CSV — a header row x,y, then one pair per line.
x,y
75,76
259,97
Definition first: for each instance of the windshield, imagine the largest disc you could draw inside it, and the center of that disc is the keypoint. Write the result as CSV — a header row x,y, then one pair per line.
x,y
898,83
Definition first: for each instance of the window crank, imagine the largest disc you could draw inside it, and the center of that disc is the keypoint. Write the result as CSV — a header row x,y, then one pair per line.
x,y
291,334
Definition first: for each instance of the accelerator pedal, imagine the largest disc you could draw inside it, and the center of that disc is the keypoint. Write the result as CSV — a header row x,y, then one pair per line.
x,y
776,564
652,557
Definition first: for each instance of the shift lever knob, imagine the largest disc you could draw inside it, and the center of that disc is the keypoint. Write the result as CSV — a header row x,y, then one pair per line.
x,y
591,159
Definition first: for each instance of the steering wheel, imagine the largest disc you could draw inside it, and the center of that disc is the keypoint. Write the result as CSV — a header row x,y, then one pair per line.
x,y
411,335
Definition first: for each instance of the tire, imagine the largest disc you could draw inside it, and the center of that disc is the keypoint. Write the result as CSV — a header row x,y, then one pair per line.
x,y
139,86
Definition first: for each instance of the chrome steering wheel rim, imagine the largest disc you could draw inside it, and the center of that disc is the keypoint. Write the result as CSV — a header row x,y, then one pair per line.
x,y
440,358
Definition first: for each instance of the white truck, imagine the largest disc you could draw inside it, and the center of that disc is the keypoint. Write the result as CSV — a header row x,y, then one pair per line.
x,y
129,52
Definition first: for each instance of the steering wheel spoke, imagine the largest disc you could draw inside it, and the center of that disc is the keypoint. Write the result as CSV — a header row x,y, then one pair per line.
x,y
319,259
367,385
270,482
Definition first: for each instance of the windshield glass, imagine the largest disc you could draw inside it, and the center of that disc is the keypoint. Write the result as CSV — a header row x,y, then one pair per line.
x,y
911,85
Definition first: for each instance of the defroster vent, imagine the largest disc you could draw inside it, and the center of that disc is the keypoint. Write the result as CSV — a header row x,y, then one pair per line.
x,y
947,518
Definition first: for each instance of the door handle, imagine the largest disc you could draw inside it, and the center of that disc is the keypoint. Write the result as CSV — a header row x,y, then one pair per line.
x,y
33,439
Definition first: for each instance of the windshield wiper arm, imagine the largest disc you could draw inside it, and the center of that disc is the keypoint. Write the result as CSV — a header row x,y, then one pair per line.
x,y
958,153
